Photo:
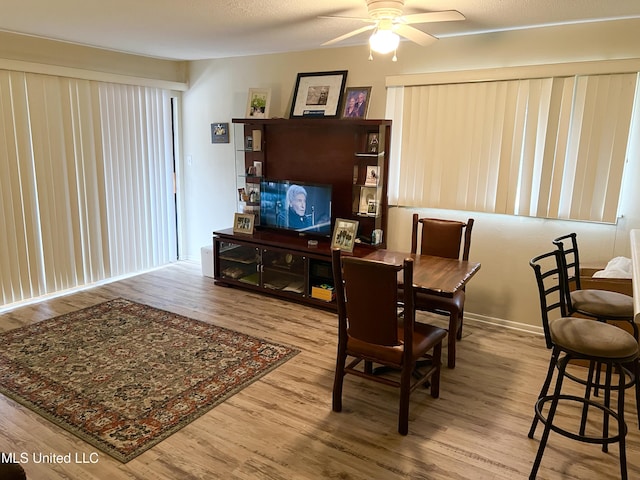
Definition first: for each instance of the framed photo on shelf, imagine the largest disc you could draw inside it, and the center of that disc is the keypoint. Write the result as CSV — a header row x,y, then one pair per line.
x,y
367,195
373,142
372,207
344,234
258,103
219,133
243,223
373,172
318,94
356,104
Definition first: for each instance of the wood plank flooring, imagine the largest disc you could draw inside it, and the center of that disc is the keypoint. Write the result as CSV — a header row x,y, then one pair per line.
x,y
282,426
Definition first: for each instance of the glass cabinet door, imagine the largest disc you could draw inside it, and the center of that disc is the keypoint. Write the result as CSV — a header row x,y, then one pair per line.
x,y
283,271
240,263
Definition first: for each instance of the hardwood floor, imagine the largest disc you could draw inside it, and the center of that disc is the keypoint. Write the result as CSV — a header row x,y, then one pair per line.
x,y
282,426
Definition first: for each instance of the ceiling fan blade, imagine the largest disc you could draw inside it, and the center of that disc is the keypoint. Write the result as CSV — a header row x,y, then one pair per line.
x,y
342,17
415,35
432,17
348,35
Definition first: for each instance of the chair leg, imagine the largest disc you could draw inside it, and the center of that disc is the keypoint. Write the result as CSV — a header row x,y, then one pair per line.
x,y
562,365
607,403
435,376
544,389
587,395
338,381
368,367
622,427
405,390
452,338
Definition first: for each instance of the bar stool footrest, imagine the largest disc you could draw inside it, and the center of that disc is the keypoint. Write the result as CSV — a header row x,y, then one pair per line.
x,y
575,436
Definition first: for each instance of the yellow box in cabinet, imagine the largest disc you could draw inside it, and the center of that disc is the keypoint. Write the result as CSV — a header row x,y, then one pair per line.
x,y
323,292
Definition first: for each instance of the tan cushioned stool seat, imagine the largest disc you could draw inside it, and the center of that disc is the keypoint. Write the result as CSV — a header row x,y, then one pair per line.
x,y
603,303
592,338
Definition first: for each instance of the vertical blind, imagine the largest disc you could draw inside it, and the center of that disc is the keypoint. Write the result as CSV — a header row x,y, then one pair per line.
x,y
86,182
544,147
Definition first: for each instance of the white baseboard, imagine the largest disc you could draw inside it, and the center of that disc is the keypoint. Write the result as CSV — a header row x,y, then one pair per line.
x,y
499,322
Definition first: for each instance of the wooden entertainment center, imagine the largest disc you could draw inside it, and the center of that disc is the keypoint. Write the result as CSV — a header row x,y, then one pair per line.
x,y
352,155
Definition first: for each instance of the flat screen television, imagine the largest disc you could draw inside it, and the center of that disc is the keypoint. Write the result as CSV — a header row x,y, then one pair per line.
x,y
296,206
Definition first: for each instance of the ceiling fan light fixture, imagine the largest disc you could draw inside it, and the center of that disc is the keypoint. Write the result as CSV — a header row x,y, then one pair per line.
x,y
384,41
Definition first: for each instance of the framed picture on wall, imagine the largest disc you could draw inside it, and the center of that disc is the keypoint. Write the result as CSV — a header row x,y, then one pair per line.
x,y
318,94
219,133
356,102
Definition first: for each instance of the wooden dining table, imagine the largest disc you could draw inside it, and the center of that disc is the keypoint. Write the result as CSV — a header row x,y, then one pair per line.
x,y
433,275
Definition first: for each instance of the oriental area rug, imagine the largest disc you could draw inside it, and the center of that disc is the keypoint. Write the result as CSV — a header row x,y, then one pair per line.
x,y
124,376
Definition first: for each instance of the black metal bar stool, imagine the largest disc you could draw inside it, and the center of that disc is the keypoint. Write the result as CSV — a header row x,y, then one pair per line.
x,y
602,305
575,338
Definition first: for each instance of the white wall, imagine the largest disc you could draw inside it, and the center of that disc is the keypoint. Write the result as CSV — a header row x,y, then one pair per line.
x,y
38,51
504,289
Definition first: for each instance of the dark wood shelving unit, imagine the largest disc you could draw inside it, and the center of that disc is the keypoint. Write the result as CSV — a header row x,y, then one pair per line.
x,y
325,151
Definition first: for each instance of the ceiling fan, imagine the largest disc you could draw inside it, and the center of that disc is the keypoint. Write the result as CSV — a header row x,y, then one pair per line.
x,y
388,24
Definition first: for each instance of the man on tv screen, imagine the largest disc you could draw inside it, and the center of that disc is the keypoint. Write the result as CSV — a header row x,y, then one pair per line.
x,y
297,216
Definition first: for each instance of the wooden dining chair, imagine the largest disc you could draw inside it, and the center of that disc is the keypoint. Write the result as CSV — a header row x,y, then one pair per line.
x,y
443,238
374,328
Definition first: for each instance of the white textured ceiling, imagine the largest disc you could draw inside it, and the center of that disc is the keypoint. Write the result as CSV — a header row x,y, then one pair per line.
x,y
200,29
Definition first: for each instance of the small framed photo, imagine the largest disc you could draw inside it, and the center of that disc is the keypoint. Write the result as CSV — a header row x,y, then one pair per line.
x,y
372,207
318,94
344,234
259,103
356,104
373,142
367,195
243,223
219,133
373,173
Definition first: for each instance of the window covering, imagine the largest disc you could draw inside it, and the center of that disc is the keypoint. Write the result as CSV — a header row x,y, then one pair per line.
x,y
85,182
550,147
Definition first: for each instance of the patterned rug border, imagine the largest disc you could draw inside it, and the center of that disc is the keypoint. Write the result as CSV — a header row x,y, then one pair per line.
x,y
164,434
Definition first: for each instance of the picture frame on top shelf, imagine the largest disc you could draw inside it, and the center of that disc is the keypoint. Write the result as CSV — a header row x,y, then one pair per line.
x,y
344,234
318,94
356,103
259,103
243,223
